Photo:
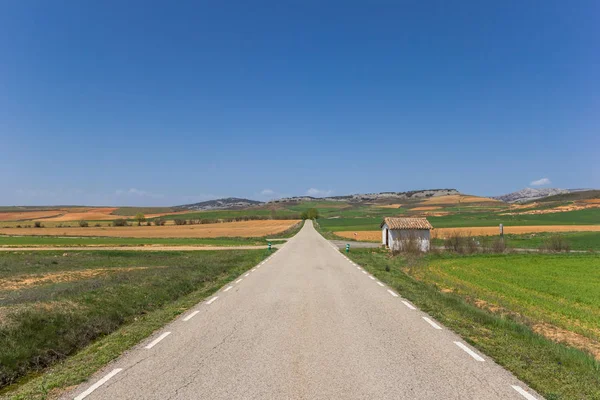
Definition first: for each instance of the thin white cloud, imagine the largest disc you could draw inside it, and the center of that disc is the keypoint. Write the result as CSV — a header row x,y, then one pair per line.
x,y
541,182
313,192
138,193
267,192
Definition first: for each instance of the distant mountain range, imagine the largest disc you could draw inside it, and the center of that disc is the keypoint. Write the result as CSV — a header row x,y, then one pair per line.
x,y
529,194
219,204
414,194
238,203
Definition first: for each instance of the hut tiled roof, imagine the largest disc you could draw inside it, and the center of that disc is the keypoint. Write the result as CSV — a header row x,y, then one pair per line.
x,y
394,223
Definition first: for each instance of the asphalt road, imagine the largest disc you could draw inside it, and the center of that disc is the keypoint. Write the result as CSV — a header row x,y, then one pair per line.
x,y
305,324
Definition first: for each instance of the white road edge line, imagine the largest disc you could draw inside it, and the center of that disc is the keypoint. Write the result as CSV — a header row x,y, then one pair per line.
x,y
247,274
253,269
228,288
239,280
469,351
98,384
158,339
407,304
364,272
392,293
212,300
371,277
192,315
380,284
523,392
430,322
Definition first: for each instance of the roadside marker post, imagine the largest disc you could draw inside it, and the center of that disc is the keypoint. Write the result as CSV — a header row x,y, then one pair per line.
x,y
269,246
348,248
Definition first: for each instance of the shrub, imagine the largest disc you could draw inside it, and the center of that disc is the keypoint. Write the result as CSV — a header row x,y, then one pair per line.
x,y
496,245
555,243
18,226
120,222
98,225
311,213
159,222
38,224
83,224
179,221
140,217
461,243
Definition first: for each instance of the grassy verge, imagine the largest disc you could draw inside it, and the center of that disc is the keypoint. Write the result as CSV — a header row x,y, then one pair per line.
x,y
554,370
76,313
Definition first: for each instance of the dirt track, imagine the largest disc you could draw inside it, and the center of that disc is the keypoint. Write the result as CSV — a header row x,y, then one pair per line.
x,y
226,229
375,236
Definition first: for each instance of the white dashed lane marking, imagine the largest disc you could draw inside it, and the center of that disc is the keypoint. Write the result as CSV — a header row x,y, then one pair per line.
x,y
98,384
430,322
407,304
392,293
247,274
157,340
228,288
523,393
239,280
380,284
192,315
212,300
469,351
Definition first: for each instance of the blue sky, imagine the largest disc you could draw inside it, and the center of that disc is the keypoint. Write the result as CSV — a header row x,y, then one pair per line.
x,y
163,103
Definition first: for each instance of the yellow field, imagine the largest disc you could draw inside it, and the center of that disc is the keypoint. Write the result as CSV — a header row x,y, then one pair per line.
x,y
226,229
456,199
375,236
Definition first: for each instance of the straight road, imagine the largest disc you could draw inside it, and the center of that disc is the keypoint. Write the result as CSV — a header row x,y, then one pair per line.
x,y
305,324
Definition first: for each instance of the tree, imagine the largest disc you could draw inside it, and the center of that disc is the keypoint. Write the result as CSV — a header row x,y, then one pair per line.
x,y
311,213
139,217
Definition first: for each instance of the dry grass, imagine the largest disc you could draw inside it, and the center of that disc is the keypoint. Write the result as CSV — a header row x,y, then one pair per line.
x,y
20,282
227,229
426,208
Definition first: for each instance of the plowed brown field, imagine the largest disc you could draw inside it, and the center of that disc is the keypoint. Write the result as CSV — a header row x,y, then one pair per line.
x,y
28,215
92,214
375,236
227,229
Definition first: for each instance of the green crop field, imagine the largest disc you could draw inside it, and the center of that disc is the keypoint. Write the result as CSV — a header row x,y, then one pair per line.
x,y
52,305
561,290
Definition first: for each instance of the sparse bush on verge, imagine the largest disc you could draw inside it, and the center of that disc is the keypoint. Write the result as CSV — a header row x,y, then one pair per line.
x,y
120,222
159,222
461,243
556,243
38,224
83,224
179,221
